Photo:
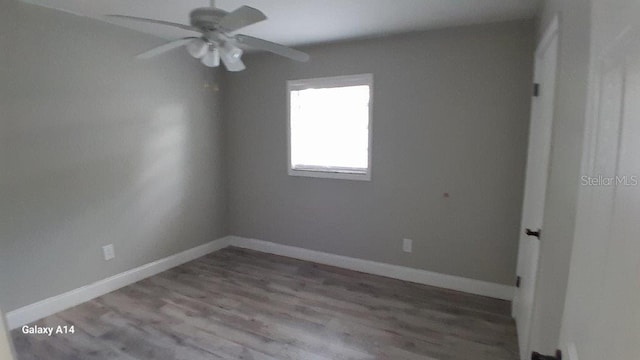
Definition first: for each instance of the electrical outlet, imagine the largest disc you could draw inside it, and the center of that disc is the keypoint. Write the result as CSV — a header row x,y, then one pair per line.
x,y
108,252
407,245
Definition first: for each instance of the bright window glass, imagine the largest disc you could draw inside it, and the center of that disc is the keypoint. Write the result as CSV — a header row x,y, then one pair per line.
x,y
330,127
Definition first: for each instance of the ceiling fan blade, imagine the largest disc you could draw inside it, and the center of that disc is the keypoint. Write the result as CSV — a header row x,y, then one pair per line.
x,y
241,17
164,48
272,47
154,21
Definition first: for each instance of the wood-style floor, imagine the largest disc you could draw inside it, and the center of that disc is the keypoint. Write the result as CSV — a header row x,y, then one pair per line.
x,y
241,304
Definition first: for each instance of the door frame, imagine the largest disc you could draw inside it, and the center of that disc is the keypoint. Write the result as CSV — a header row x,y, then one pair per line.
x,y
551,33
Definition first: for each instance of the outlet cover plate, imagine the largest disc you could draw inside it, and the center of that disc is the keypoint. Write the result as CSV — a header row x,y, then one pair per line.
x,y
407,245
108,252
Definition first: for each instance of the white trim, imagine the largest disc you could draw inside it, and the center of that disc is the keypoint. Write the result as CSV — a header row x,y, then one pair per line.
x,y
325,174
330,82
549,34
572,351
424,277
7,351
52,305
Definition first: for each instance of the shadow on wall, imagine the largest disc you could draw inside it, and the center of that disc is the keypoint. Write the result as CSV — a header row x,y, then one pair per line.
x,y
98,149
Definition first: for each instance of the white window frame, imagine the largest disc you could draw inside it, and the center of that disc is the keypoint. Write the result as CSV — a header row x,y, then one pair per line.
x,y
330,82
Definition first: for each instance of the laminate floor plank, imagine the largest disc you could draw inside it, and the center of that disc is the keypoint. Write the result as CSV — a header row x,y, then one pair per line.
x,y
243,304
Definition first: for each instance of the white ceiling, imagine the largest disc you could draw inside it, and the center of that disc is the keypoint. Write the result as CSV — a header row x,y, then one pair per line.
x,y
296,22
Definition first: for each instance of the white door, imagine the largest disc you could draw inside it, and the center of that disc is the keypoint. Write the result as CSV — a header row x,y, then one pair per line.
x,y
602,311
536,183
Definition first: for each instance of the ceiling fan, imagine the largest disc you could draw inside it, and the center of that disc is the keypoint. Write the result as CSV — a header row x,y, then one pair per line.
x,y
216,41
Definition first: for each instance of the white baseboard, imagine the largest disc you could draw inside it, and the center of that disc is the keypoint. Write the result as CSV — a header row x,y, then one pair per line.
x,y
424,277
52,305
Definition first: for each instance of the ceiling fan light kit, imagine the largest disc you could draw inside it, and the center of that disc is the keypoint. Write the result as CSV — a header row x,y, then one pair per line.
x,y
211,58
232,51
215,41
197,48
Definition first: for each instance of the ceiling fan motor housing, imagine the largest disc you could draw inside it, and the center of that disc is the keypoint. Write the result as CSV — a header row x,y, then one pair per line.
x,y
207,18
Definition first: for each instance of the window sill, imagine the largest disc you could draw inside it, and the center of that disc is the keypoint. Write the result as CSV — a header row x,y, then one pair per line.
x,y
331,175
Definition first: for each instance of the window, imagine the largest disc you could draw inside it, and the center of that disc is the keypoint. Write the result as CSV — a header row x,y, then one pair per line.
x,y
330,127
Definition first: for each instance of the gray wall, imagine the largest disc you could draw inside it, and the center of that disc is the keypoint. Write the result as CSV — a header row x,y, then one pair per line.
x,y
6,29
564,177
98,148
451,111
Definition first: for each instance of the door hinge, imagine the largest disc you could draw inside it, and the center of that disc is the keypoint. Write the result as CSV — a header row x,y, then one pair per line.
x,y
518,280
536,89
